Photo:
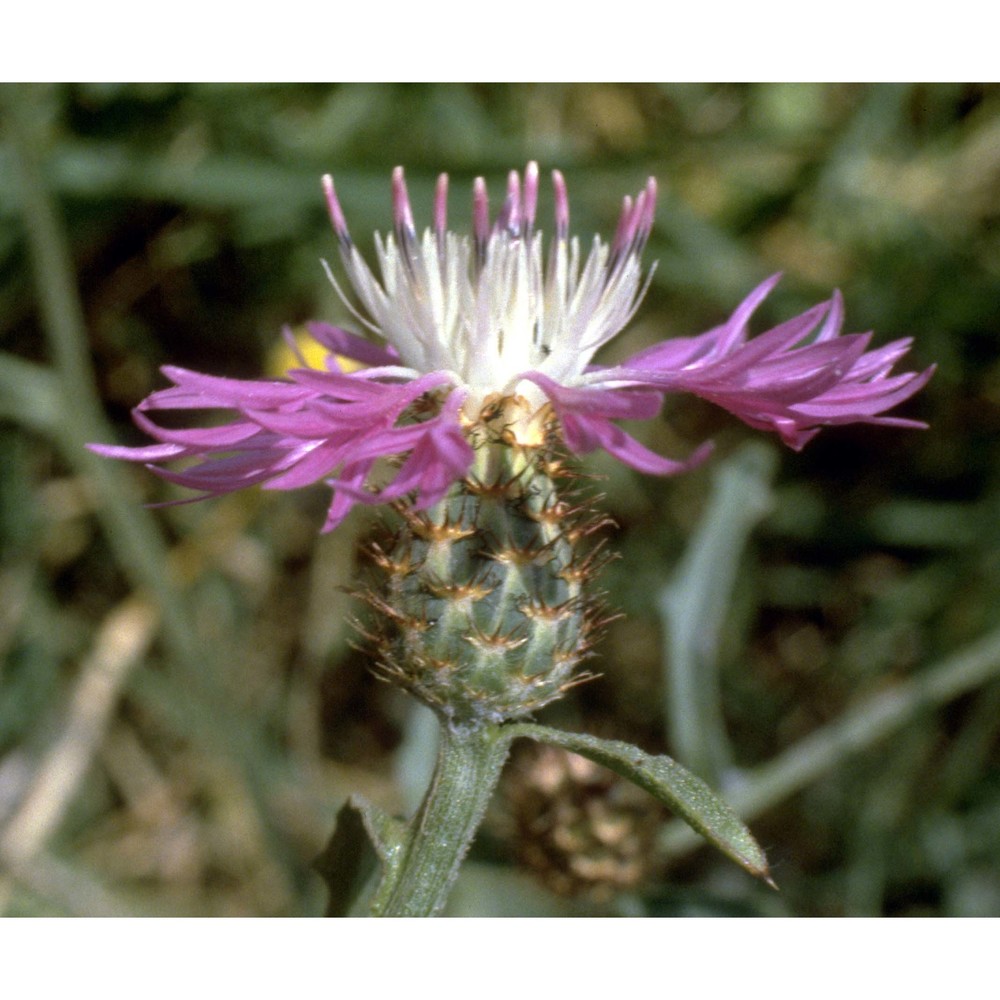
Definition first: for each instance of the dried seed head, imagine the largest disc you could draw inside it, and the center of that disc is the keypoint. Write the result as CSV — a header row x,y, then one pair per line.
x,y
577,827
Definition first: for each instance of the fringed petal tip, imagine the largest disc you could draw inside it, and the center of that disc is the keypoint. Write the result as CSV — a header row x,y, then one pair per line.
x,y
324,427
793,379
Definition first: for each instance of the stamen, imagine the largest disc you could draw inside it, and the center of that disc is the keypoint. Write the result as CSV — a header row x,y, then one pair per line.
x,y
346,300
336,213
441,207
634,220
530,195
401,204
485,307
634,227
619,242
562,206
480,220
648,215
406,232
510,215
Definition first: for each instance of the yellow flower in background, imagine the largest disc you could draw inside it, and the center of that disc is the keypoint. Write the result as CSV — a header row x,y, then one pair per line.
x,y
283,357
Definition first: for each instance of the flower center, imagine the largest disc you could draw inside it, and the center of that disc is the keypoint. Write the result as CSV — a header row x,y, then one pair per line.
x,y
488,309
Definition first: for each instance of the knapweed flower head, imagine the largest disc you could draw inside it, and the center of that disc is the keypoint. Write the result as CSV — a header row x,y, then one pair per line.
x,y
467,325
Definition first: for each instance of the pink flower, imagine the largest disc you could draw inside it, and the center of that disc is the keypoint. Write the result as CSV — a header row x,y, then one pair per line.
x,y
466,320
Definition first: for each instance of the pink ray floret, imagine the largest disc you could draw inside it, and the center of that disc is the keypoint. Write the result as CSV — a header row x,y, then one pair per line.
x,y
464,319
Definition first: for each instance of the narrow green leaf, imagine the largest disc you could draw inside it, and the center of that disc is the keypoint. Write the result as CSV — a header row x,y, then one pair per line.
x,y
686,795
363,839
29,394
697,604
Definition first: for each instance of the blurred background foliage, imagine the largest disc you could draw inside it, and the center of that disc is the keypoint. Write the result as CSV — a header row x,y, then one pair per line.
x,y
181,711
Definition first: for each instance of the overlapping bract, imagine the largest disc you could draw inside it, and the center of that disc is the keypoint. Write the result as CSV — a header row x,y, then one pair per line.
x,y
486,293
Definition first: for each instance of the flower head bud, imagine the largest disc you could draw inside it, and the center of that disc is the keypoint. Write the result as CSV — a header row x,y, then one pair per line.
x,y
482,606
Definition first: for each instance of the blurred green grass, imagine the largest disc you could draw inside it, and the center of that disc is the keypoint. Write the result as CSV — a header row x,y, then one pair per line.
x,y
181,713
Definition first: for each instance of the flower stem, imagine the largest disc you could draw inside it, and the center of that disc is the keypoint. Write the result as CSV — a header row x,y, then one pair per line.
x,y
417,882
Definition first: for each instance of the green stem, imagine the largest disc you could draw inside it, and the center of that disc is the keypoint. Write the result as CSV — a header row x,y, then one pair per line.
x,y
417,883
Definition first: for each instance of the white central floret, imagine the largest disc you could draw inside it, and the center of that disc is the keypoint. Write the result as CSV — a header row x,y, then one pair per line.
x,y
486,309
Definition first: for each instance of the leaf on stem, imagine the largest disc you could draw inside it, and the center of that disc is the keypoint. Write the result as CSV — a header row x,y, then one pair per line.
x,y
684,793
364,840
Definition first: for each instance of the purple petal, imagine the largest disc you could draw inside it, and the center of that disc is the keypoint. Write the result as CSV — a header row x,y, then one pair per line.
x,y
314,465
225,474
780,380
146,453
222,437
437,461
196,391
439,456
350,345
344,498
585,415
619,404
586,434
781,338
834,320
848,404
355,387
